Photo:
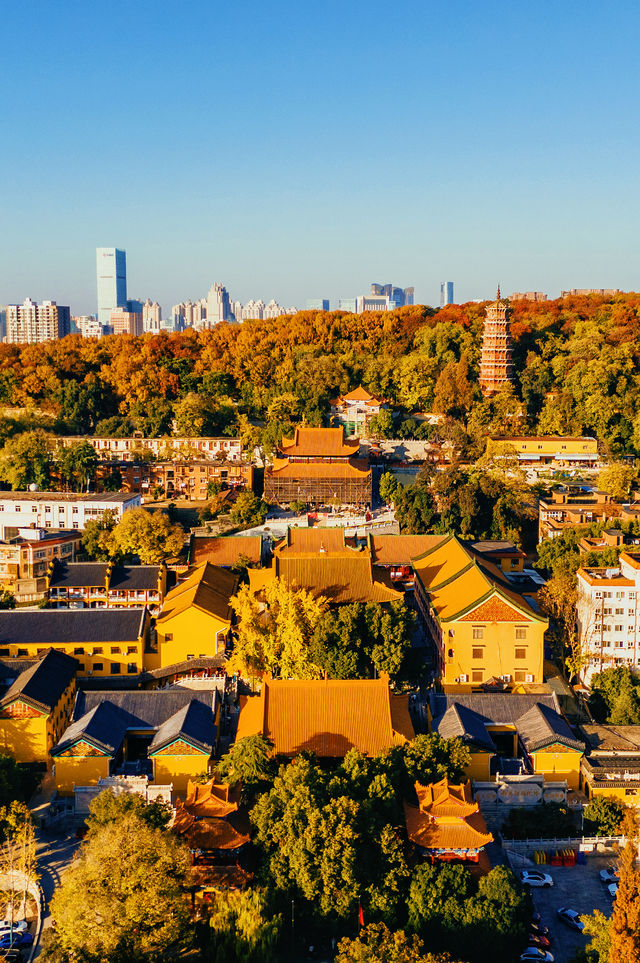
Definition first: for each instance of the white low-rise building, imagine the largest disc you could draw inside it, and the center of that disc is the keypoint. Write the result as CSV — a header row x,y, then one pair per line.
x,y
166,448
58,510
608,616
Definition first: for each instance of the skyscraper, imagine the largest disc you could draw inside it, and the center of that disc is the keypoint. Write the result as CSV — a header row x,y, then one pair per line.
x,y
218,305
398,297
111,269
446,293
496,367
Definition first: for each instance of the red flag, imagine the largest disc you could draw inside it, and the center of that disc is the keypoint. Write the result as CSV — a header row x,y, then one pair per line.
x,y
360,916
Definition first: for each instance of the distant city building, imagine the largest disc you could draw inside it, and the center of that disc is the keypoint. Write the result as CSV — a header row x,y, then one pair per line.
x,y
608,617
126,322
399,296
496,367
275,310
603,292
347,304
22,510
446,293
528,296
29,323
318,304
135,305
89,326
218,305
3,322
151,316
111,269
374,302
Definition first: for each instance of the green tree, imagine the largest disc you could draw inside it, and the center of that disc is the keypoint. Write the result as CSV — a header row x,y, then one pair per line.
x,y
107,807
415,509
381,425
77,464
243,928
96,537
598,928
614,695
248,510
453,393
603,816
7,599
26,460
429,758
388,487
249,761
124,898
437,894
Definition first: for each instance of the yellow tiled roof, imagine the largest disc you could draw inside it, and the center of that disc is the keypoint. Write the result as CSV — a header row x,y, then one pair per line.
x,y
226,549
327,717
312,540
341,577
319,442
207,588
400,549
469,833
351,468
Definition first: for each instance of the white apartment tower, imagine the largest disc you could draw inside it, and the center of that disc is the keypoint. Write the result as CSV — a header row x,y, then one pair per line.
x,y
30,323
608,616
151,316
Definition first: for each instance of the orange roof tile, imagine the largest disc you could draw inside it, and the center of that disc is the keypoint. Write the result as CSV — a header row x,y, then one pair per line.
x,y
341,577
221,877
312,540
327,717
208,588
360,394
225,550
400,549
319,442
464,834
209,799
353,468
445,799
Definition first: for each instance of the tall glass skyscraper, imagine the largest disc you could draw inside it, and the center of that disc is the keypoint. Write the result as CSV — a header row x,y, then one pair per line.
x,y
111,269
446,293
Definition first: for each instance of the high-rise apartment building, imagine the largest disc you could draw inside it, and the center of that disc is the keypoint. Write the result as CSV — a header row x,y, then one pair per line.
x,y
89,326
218,305
151,316
446,293
496,367
29,323
126,322
111,269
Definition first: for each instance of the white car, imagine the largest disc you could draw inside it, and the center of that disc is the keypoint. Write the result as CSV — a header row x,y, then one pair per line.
x,y
19,926
533,954
608,876
613,889
533,877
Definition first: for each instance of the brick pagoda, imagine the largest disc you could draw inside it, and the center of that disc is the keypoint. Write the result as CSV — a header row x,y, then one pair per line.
x,y
496,367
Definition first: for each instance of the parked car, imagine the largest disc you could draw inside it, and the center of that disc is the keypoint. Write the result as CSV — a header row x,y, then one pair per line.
x,y
609,875
613,890
540,929
537,939
19,926
535,955
571,918
533,877
18,939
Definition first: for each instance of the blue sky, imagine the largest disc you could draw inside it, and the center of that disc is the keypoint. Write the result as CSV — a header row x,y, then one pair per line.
x,y
299,150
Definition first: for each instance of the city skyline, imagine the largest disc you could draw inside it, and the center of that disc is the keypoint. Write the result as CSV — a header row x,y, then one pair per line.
x,y
534,183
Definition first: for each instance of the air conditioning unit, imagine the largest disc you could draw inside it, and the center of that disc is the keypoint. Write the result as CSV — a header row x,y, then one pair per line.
x,y
464,678
529,678
506,678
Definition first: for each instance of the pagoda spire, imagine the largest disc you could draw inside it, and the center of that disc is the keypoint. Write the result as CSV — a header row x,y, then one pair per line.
x,y
498,294
496,365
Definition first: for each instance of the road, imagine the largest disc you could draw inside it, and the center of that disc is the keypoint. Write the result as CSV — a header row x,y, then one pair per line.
x,y
55,855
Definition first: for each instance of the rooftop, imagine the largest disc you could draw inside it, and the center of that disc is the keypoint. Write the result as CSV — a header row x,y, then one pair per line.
x,y
207,588
58,626
319,442
110,497
226,550
43,683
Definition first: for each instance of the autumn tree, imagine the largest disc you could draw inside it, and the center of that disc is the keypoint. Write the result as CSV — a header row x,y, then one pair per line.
x,y
242,928
248,510
376,943
108,807
388,487
124,897
273,636
96,537
249,761
624,932
26,460
18,862
617,480
149,536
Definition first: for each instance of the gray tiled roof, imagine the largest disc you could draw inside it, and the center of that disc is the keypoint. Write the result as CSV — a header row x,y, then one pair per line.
x,y
463,723
494,707
541,726
150,707
193,722
78,574
105,725
135,577
50,626
44,682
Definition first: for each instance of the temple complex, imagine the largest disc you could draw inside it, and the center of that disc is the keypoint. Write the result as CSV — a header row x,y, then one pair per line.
x,y
319,467
496,367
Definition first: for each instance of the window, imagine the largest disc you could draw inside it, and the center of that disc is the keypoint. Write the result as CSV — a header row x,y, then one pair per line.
x,y
98,650
115,650
168,637
477,675
191,656
520,675
478,632
132,668
79,650
521,631
5,652
521,653
619,611
22,653
131,650
617,628
98,666
115,668
477,653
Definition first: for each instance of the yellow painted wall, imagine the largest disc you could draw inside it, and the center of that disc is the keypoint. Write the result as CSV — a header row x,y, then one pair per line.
x,y
555,766
194,634
551,445
629,796
478,768
499,644
73,771
178,769
25,738
86,661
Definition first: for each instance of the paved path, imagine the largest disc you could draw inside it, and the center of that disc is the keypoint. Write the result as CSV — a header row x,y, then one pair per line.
x,y
55,855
